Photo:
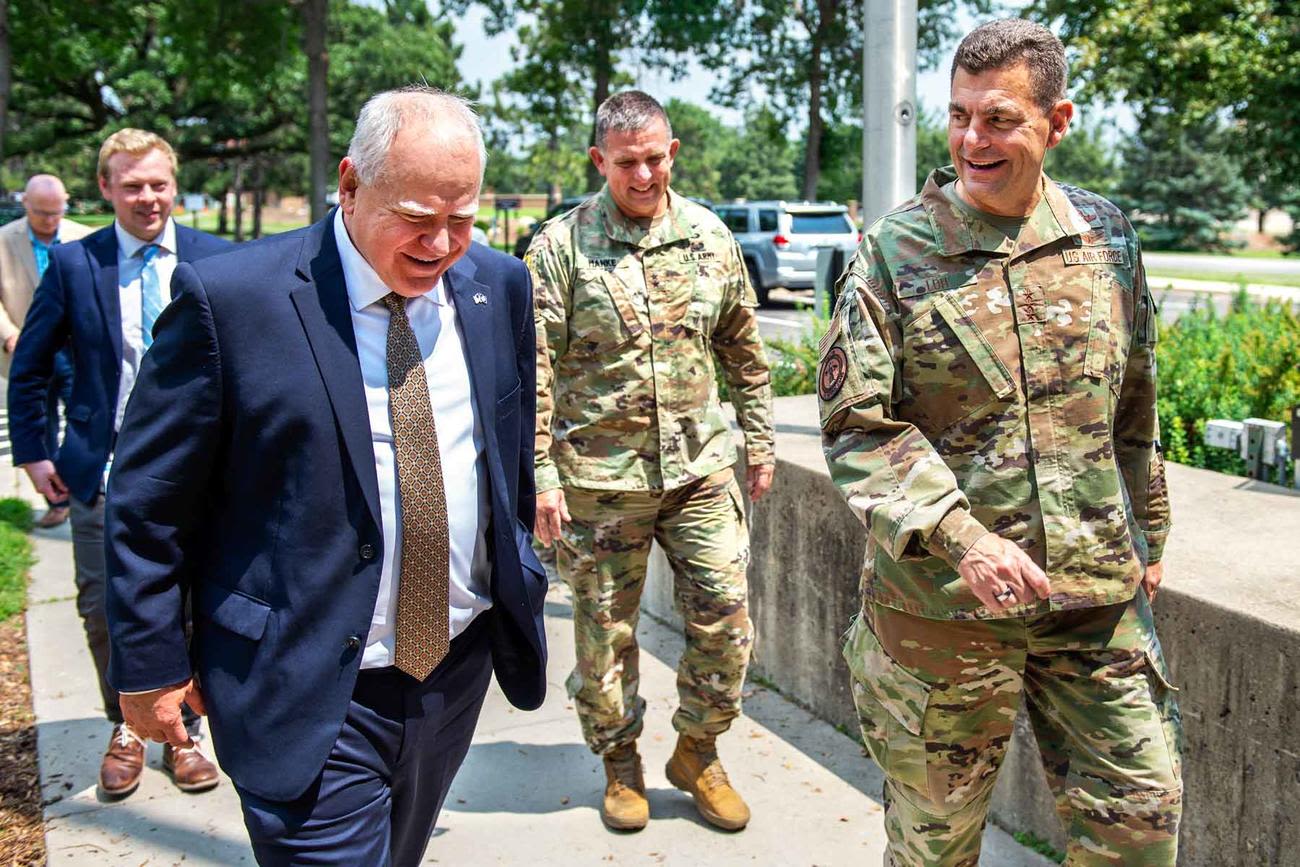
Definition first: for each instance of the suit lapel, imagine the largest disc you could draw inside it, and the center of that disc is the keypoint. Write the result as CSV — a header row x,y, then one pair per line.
x,y
101,248
324,310
474,303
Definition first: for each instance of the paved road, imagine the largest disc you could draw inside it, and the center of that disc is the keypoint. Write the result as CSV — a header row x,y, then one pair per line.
x,y
1222,265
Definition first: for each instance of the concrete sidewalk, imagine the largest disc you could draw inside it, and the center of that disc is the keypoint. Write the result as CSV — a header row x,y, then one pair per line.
x,y
528,793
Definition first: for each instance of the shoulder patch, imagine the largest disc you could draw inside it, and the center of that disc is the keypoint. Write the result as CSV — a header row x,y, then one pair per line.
x,y
834,371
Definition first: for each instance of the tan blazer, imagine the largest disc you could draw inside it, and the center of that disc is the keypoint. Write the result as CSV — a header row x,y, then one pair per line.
x,y
18,276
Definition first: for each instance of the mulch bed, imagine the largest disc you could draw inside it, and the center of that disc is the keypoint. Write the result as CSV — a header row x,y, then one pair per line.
x,y
22,831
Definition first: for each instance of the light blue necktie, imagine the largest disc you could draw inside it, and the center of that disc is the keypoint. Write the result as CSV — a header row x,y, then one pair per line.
x,y
151,302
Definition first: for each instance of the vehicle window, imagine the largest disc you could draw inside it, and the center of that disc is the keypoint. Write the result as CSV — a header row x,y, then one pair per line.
x,y
736,220
767,221
835,223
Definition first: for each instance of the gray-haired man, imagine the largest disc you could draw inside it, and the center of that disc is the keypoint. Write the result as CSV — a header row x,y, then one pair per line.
x,y
329,446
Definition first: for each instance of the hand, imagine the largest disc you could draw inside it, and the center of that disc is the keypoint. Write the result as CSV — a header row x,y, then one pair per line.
x,y
552,515
758,479
46,480
156,715
10,342
993,566
1151,580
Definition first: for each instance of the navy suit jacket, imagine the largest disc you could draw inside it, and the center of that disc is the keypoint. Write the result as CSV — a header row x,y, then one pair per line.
x,y
78,305
246,478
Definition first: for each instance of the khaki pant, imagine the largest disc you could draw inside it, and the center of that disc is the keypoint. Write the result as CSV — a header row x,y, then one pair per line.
x,y
603,556
937,700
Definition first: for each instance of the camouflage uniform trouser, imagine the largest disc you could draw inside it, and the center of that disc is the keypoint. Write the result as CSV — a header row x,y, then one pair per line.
x,y
603,556
937,699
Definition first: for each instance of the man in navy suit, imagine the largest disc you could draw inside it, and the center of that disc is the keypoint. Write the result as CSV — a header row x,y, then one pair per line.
x,y
100,298
330,449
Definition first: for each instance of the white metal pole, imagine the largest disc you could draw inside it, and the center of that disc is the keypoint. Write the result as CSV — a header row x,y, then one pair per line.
x,y
889,106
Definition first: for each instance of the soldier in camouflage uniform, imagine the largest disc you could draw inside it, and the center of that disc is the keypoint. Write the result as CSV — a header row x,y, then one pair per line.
x,y
640,292
988,408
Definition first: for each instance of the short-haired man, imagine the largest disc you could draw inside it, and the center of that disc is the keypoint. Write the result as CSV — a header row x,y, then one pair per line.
x,y
640,292
100,297
330,449
24,254
987,394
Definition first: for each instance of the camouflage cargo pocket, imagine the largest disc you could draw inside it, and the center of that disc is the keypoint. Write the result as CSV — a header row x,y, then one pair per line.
x,y
891,703
1165,695
1110,331
950,370
602,319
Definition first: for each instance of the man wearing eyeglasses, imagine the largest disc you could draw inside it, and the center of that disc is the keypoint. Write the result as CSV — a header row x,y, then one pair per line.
x,y
24,254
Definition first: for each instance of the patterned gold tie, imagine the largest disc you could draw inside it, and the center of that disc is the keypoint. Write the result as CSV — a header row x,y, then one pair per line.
x,y
422,635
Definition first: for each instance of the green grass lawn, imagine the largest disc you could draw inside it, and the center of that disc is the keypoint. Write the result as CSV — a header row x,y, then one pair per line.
x,y
1245,276
15,555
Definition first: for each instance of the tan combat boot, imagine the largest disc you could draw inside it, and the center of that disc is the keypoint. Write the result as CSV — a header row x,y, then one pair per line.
x,y
695,768
625,807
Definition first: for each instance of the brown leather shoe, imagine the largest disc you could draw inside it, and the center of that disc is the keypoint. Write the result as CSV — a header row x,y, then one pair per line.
x,y
695,768
53,517
119,772
189,768
625,807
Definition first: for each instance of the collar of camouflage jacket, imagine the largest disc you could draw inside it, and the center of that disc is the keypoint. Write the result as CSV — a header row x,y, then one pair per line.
x,y
675,226
958,232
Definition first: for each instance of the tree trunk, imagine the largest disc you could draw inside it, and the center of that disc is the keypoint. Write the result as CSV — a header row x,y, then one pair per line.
x,y
259,197
604,71
812,164
314,38
6,78
239,201
223,219
1263,215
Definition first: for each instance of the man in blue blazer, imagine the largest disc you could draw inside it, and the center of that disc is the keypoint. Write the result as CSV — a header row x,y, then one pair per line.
x,y
99,298
330,449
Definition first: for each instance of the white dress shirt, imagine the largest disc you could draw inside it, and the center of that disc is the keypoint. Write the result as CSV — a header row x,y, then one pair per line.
x,y
129,263
460,445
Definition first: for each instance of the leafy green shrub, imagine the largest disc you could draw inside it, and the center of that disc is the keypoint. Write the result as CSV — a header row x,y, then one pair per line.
x,y
1241,365
794,362
17,513
15,555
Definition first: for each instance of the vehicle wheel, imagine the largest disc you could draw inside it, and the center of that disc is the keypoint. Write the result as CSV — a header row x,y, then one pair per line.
x,y
757,282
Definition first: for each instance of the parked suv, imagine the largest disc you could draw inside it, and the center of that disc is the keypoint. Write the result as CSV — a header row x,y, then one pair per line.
x,y
780,240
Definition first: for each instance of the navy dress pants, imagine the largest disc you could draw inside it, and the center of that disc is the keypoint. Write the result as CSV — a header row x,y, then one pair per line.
x,y
377,799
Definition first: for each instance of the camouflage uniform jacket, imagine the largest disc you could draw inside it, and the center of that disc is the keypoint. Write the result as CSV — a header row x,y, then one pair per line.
x,y
629,323
970,383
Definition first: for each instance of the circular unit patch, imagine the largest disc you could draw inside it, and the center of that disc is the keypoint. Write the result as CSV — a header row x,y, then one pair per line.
x,y
834,370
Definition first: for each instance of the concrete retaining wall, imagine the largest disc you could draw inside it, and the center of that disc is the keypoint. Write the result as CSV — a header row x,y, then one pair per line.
x,y
1229,619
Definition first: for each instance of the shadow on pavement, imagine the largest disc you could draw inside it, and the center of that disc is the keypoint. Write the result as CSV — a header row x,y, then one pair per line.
x,y
783,719
203,841
547,778
77,745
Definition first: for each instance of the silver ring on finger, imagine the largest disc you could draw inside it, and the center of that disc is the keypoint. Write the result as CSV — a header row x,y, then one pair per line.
x,y
1006,595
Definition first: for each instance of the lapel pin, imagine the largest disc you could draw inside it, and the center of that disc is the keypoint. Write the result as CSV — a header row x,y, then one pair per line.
x,y
480,298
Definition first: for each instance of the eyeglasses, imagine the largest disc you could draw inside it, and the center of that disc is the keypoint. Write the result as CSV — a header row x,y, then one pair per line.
x,y
49,215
